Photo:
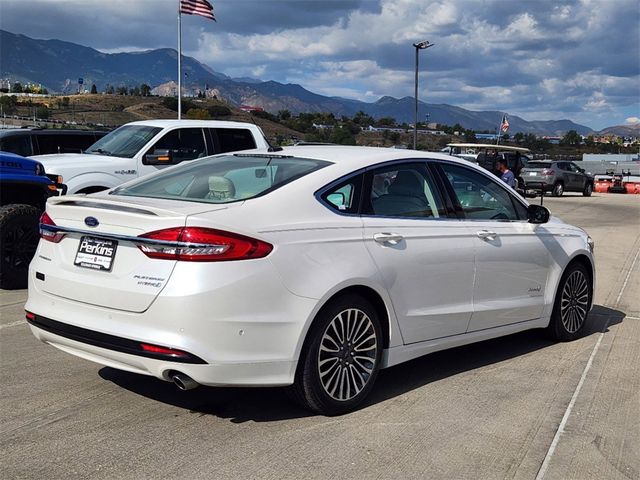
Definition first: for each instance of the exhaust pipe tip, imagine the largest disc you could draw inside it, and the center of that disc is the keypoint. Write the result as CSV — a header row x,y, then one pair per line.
x,y
183,382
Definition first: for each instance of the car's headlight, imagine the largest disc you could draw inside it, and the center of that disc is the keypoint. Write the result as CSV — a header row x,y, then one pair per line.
x,y
39,169
591,244
54,178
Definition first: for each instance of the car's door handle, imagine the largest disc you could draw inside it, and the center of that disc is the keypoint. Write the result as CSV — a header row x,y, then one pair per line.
x,y
487,235
384,237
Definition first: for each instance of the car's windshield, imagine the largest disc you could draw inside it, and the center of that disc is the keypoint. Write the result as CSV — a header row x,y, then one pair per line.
x,y
223,179
125,141
539,165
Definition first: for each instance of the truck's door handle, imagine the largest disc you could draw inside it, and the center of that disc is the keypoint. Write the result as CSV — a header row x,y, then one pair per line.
x,y
487,234
391,238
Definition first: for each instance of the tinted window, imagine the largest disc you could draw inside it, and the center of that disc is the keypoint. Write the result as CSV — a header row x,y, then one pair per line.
x,y
125,141
233,139
539,165
480,197
19,144
405,190
223,179
183,143
345,197
63,143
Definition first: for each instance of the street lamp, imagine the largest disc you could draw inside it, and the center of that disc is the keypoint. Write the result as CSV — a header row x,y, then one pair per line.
x,y
418,46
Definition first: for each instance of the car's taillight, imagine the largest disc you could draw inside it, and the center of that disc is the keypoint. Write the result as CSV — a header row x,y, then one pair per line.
x,y
547,171
198,244
49,235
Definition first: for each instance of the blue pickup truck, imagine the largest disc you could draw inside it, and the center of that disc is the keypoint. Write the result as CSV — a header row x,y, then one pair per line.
x,y
24,189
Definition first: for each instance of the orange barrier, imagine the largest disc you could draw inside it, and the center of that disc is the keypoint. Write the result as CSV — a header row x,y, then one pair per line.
x,y
632,187
602,186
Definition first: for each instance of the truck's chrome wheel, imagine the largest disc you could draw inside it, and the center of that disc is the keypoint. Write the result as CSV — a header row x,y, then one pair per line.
x,y
347,355
574,303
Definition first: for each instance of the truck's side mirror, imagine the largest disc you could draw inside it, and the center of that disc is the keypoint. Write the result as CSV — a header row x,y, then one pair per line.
x,y
538,214
159,157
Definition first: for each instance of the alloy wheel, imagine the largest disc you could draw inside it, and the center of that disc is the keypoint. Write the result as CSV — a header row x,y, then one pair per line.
x,y
574,303
347,355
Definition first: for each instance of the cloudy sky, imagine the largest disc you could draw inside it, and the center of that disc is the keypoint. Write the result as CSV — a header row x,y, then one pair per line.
x,y
576,59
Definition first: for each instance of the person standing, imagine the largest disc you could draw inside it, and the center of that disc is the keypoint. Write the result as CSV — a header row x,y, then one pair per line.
x,y
507,175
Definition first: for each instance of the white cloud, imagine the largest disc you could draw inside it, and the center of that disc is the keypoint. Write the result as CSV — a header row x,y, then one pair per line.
x,y
632,120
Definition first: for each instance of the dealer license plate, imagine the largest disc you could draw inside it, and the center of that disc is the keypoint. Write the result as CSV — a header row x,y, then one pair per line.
x,y
96,253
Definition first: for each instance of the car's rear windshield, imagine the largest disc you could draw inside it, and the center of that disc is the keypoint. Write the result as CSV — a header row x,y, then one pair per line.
x,y
125,141
539,165
223,179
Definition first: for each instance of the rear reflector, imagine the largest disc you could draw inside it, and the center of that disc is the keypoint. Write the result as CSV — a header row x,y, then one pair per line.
x,y
172,352
49,236
197,244
547,171
29,315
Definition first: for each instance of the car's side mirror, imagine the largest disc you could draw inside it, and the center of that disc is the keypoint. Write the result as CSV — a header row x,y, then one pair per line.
x,y
159,157
538,214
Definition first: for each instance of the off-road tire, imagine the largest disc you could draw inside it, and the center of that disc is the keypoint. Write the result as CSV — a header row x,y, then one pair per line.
x,y
18,242
558,189
571,307
310,389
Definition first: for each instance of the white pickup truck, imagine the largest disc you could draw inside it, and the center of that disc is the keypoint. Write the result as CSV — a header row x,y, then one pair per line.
x,y
141,148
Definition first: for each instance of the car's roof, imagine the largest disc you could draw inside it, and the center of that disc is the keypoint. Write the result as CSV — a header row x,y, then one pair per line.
x,y
190,123
484,146
12,132
354,158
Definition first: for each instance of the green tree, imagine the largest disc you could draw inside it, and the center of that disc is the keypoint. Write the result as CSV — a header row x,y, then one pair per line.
x,y
94,89
386,122
145,90
109,90
17,88
121,90
134,91
571,138
43,112
8,104
363,119
284,114
519,137
65,102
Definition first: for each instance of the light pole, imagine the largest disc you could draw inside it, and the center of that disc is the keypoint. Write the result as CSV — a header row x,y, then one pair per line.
x,y
418,46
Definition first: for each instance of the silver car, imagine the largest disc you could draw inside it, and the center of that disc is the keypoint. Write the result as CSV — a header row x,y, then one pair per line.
x,y
557,177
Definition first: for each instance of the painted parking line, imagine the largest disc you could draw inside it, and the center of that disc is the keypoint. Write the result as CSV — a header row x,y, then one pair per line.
x,y
567,413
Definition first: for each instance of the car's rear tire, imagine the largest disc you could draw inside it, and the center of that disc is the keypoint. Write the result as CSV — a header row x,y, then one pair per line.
x,y
341,357
571,306
558,189
18,242
588,189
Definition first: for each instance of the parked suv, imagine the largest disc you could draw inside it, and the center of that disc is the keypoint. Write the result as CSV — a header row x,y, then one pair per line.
x,y
557,177
140,148
24,189
34,141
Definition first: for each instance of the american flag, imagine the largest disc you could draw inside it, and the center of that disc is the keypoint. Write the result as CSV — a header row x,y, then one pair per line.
x,y
197,7
504,125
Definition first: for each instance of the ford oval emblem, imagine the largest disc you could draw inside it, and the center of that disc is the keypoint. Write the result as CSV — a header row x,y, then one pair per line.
x,y
91,222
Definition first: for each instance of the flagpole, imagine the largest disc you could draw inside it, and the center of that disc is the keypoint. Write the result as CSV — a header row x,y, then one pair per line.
x,y
179,64
498,131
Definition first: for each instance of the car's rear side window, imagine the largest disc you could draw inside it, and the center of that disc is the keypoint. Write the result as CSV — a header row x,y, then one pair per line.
x,y
18,144
233,139
539,165
224,179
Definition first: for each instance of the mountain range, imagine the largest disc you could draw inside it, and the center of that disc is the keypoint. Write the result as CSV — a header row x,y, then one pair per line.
x,y
58,65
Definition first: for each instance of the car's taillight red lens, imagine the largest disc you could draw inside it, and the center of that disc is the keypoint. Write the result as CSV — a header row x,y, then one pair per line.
x,y
547,171
198,244
171,352
47,235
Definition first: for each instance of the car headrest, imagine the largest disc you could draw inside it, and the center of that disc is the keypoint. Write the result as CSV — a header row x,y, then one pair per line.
x,y
407,182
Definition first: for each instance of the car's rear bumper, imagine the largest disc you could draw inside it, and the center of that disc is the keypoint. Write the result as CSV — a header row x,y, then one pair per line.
x,y
213,374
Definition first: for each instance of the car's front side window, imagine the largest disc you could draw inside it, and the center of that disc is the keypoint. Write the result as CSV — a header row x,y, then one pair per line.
x,y
403,190
481,197
183,143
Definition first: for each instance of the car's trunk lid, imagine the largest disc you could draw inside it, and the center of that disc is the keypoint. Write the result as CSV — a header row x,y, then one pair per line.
x,y
128,281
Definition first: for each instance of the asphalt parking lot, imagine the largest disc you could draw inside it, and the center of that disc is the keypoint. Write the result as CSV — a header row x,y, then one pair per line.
x,y
517,407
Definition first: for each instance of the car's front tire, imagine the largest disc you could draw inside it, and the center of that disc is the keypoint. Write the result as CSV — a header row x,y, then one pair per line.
x,y
18,242
341,357
571,306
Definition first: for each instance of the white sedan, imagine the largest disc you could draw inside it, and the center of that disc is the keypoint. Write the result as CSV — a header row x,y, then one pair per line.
x,y
314,268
